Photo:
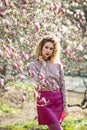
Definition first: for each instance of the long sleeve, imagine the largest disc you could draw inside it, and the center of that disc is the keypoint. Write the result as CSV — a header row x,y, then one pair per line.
x,y
62,84
37,72
33,69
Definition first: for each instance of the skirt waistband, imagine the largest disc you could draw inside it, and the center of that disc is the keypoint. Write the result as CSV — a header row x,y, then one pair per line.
x,y
50,94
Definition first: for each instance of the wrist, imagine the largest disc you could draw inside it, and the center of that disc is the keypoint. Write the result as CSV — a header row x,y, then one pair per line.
x,y
65,104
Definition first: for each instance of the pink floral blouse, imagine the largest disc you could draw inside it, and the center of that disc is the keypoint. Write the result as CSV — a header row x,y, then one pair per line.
x,y
49,77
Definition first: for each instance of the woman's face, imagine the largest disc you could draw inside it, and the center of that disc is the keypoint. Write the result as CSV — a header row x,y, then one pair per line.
x,y
47,50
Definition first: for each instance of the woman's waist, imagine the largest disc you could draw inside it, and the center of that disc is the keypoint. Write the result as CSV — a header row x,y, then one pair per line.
x,y
50,94
49,89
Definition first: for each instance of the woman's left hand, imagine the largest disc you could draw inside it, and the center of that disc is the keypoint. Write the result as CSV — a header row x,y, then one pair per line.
x,y
66,110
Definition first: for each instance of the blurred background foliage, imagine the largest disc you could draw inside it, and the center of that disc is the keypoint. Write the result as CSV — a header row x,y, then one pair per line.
x,y
23,22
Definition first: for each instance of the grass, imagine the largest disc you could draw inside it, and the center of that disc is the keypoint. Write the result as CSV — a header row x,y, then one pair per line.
x,y
5,109
69,124
72,123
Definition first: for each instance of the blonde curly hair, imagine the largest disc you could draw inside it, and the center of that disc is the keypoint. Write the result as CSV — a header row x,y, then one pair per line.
x,y
48,38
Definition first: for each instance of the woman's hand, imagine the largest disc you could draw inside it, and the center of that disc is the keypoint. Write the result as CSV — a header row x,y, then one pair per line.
x,y
66,110
42,60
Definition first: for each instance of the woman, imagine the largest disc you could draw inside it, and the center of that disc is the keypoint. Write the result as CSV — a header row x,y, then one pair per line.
x,y
48,74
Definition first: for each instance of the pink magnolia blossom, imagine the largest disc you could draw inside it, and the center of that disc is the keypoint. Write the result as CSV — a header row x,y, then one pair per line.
x,y
33,74
1,82
23,98
41,76
37,26
1,69
1,54
15,66
29,73
6,89
25,56
30,56
52,82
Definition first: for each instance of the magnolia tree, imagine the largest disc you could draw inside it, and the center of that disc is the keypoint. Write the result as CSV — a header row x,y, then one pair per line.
x,y
23,22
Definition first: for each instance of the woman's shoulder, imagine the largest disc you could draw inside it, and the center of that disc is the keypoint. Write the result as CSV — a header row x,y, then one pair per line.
x,y
59,64
34,62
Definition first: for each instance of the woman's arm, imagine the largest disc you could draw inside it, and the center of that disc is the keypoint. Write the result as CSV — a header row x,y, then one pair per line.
x,y
63,87
32,71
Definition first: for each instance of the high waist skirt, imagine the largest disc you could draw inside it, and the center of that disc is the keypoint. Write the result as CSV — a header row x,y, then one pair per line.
x,y
49,107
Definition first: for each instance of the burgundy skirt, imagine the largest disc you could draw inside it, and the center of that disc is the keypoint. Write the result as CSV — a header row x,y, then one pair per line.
x,y
50,107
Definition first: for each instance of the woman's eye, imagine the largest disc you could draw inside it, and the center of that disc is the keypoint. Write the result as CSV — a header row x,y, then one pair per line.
x,y
46,47
51,49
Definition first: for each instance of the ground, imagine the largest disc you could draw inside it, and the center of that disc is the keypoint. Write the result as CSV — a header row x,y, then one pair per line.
x,y
21,100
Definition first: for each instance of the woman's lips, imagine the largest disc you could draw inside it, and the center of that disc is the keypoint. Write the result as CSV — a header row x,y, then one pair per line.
x,y
47,54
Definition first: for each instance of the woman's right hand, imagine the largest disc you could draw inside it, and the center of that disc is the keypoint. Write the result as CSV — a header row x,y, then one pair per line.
x,y
42,60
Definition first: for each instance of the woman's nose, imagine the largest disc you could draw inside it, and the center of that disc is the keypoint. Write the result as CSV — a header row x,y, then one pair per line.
x,y
48,50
